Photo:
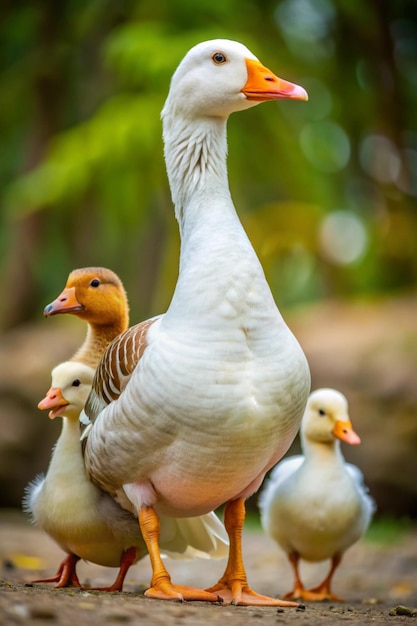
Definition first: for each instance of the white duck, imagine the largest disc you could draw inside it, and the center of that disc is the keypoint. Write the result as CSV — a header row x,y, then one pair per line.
x,y
218,385
316,505
88,523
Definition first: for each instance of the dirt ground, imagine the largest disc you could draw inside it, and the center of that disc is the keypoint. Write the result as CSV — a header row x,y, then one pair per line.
x,y
375,577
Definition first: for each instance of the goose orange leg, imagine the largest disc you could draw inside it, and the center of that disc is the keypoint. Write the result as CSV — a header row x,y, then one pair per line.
x,y
161,586
233,585
66,575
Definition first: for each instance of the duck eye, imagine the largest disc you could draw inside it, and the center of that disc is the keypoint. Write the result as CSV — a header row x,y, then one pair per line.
x,y
322,412
219,58
95,282
76,382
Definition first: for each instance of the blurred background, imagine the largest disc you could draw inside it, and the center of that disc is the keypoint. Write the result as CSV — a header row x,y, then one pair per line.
x,y
325,189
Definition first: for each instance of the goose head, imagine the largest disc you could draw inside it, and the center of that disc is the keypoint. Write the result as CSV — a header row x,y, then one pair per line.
x,y
326,418
71,384
220,76
94,294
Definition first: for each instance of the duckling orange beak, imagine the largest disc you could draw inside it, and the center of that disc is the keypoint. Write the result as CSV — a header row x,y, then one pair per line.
x,y
66,302
53,400
262,84
343,430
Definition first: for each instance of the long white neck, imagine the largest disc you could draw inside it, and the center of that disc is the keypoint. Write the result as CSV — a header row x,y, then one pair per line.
x,y
195,155
216,254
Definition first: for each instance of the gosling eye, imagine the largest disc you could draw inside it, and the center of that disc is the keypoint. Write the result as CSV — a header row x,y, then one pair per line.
x,y
219,58
322,412
76,382
95,282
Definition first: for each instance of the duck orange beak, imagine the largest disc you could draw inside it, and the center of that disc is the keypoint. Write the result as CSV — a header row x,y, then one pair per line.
x,y
262,84
343,430
53,400
66,302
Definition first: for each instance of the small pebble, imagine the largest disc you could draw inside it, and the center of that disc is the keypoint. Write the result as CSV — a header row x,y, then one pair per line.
x,y
120,618
372,601
39,612
404,610
21,610
301,607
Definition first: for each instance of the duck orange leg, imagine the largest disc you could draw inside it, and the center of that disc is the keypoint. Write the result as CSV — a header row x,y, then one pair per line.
x,y
299,591
127,559
322,591
66,575
233,585
161,586
316,594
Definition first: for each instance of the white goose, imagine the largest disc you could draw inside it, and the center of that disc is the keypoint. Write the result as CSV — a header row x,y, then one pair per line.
x,y
88,523
215,392
316,505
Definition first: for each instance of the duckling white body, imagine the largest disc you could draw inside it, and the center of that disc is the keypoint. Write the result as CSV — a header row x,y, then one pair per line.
x,y
86,522
65,504
315,506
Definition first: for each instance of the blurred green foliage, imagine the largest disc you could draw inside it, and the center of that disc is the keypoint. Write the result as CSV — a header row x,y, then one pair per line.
x,y
326,189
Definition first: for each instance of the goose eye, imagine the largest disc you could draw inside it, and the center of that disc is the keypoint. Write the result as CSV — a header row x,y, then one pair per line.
x,y
95,282
322,412
219,58
76,383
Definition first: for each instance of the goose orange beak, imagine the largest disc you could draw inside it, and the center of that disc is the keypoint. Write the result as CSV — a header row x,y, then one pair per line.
x,y
262,84
66,302
53,400
343,430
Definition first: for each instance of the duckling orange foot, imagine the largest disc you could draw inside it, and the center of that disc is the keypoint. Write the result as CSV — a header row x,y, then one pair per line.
x,y
66,575
127,559
321,595
317,594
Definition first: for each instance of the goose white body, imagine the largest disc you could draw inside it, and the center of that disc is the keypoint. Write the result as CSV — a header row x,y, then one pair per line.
x,y
218,395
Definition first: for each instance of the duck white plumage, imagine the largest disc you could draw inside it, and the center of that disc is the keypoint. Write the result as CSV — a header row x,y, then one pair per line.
x,y
218,385
315,505
88,523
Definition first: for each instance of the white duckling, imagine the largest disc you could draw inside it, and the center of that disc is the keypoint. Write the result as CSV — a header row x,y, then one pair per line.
x,y
315,505
88,523
219,383
84,521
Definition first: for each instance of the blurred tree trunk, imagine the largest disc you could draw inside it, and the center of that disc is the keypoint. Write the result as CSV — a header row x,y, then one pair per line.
x,y
49,81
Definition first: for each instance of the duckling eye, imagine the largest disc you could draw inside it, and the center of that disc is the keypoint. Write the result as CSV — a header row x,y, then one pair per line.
x,y
76,382
95,282
219,58
322,412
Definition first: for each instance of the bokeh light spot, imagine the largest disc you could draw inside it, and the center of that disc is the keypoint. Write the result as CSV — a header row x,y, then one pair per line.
x,y
379,158
325,145
343,237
